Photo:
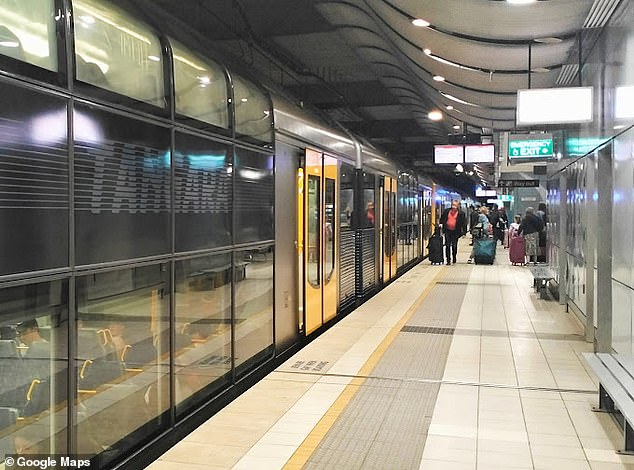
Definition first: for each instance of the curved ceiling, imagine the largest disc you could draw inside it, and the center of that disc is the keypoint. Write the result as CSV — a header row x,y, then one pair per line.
x,y
366,65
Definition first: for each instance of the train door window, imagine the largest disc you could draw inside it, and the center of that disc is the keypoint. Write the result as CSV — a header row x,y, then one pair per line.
x,y
34,368
253,324
200,87
346,192
252,111
28,32
330,227
386,221
203,328
123,344
314,230
116,52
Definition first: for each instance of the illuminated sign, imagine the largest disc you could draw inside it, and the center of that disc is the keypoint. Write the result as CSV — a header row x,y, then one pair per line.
x,y
530,146
554,105
484,153
448,154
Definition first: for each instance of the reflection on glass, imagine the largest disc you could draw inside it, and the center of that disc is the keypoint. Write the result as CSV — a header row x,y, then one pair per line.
x,y
386,223
252,111
329,227
368,199
116,52
200,87
253,271
346,192
28,32
122,359
202,346
33,368
314,230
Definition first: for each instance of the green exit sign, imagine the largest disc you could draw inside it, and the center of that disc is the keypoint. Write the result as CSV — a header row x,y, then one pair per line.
x,y
530,148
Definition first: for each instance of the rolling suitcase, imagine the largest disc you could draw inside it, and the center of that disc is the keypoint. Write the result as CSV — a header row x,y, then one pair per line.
x,y
484,250
435,250
506,238
517,250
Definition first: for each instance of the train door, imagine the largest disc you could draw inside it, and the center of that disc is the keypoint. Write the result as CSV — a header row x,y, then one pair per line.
x,y
388,227
320,239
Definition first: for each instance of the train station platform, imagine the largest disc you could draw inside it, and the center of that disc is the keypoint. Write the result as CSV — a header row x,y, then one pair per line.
x,y
449,367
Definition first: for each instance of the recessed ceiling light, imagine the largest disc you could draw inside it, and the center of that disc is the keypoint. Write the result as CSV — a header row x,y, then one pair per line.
x,y
420,22
427,51
439,78
449,107
456,127
435,115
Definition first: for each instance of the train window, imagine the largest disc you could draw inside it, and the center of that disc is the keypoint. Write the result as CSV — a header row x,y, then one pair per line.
x,y
34,368
122,187
253,277
200,87
330,228
203,328
28,32
346,192
314,230
253,196
116,52
203,190
122,358
252,111
35,185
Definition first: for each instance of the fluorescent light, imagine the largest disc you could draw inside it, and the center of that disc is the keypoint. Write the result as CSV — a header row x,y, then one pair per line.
x,y
420,22
435,115
439,78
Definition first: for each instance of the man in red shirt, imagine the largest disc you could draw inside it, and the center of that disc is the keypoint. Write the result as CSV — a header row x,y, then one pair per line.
x,y
453,226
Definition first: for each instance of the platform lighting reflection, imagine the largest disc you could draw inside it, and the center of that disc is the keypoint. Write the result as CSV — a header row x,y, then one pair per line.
x,y
52,127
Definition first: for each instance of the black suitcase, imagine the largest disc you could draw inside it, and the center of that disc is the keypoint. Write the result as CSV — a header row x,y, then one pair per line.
x,y
435,250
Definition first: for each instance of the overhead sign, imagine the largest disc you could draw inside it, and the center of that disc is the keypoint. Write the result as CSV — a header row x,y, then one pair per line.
x,y
518,183
448,154
479,192
530,146
482,153
554,105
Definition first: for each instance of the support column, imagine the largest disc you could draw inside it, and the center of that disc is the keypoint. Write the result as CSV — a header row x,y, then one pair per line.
x,y
604,250
589,245
563,239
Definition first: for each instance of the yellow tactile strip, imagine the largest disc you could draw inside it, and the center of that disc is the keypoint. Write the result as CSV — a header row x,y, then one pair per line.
x,y
308,446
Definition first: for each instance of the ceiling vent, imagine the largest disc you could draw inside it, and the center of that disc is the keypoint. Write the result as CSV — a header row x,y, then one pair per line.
x,y
600,13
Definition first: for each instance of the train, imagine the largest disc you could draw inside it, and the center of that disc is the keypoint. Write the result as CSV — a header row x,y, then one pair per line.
x,y
172,230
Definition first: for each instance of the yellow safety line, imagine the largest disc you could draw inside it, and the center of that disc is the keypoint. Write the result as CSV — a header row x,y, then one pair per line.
x,y
308,446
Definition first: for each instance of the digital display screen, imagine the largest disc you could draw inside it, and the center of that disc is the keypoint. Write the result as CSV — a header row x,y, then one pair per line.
x,y
448,153
484,153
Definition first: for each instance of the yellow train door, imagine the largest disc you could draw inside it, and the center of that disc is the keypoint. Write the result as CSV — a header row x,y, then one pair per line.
x,y
321,235
388,227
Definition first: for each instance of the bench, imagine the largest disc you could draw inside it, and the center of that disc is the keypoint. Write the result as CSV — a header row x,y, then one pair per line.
x,y
541,276
616,390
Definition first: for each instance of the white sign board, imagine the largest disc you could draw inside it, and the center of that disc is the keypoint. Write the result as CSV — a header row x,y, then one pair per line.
x,y
479,153
448,154
554,106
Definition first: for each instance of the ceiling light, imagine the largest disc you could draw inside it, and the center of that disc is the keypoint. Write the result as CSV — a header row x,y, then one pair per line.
x,y
439,78
435,115
449,107
550,40
427,51
459,168
520,2
420,22
456,127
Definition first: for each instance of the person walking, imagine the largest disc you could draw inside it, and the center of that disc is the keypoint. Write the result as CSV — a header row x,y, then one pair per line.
x,y
480,229
453,222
